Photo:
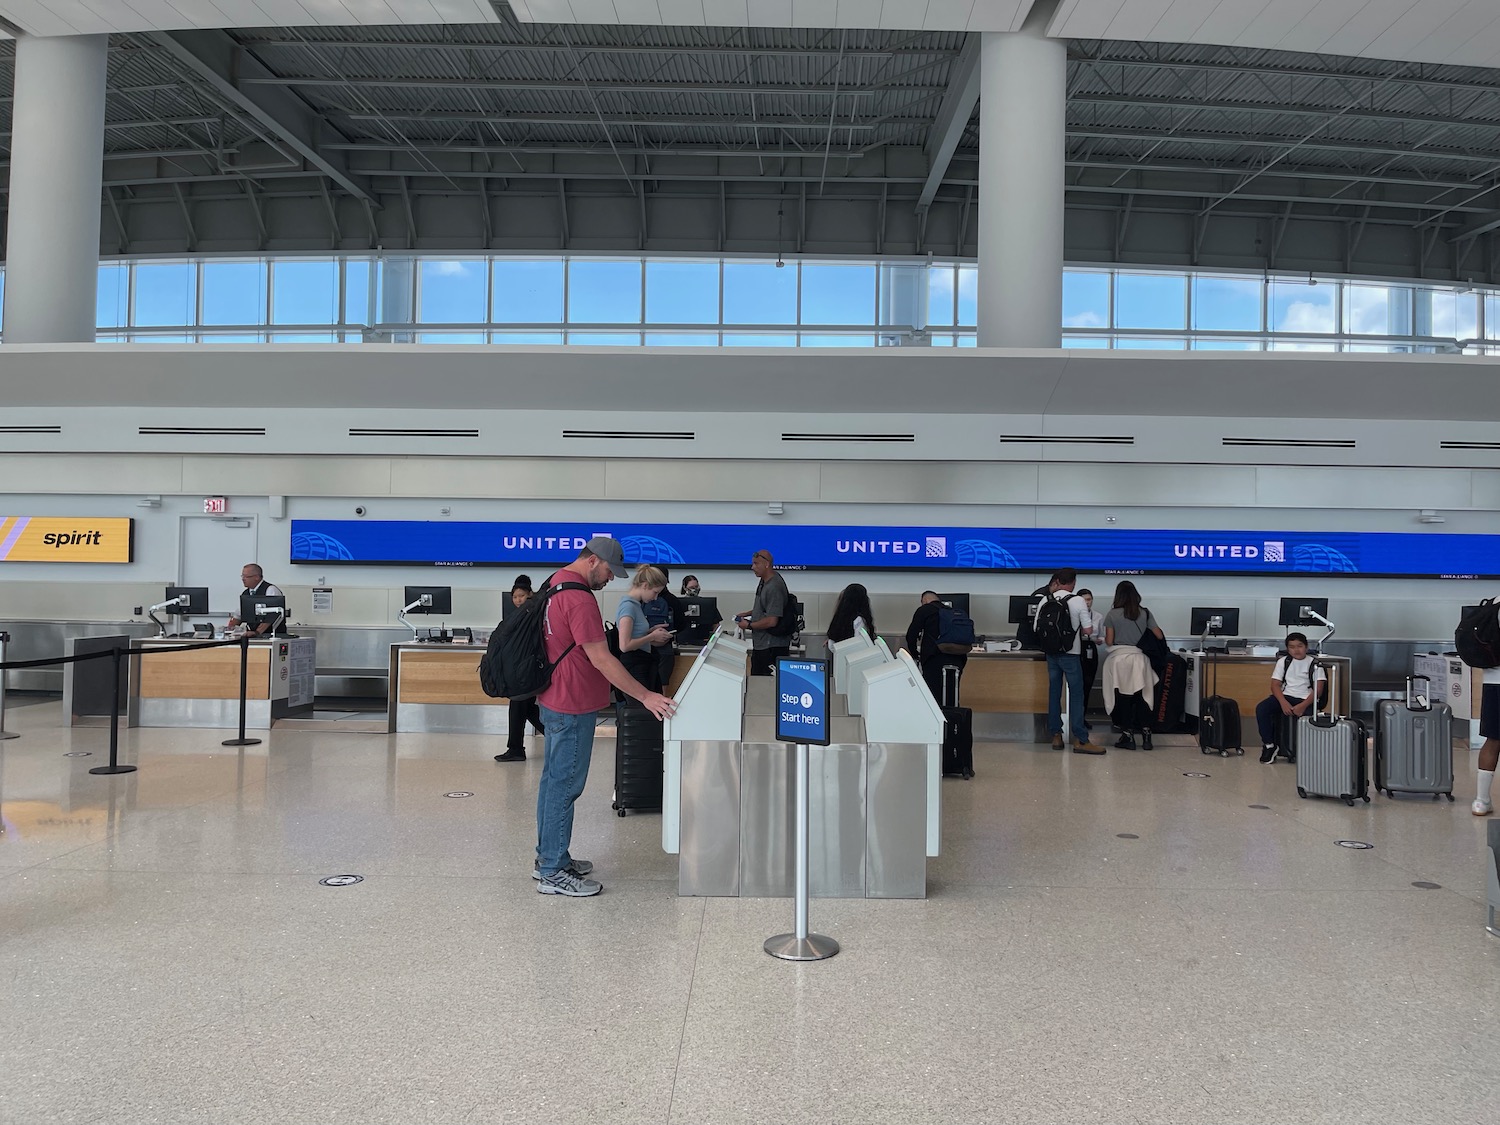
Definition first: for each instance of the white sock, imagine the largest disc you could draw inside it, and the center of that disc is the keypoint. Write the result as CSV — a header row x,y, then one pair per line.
x,y
1486,779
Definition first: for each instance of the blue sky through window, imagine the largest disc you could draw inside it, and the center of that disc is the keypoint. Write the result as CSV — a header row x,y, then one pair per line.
x,y
604,292
682,292
304,291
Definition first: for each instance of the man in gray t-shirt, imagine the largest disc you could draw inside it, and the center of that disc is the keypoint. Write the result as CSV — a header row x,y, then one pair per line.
x,y
772,601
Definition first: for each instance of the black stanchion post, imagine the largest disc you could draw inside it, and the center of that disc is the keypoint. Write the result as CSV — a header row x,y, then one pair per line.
x,y
114,719
4,734
244,681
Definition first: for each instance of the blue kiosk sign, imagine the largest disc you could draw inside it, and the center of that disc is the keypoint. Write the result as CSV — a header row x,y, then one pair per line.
x,y
802,701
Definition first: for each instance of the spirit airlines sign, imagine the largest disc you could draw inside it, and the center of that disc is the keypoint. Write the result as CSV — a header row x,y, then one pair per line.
x,y
66,539
824,547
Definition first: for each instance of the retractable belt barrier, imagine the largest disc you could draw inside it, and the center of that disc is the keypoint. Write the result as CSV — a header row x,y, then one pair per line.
x,y
116,655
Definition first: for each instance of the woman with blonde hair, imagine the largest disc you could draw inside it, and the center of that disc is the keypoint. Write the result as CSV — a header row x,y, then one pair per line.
x,y
637,637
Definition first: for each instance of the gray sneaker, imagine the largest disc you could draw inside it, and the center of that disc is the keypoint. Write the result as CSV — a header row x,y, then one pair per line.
x,y
579,867
566,883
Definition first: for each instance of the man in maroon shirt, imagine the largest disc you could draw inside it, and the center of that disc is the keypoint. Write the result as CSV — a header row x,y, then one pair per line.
x,y
579,688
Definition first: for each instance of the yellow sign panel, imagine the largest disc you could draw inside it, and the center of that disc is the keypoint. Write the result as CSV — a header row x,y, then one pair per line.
x,y
66,539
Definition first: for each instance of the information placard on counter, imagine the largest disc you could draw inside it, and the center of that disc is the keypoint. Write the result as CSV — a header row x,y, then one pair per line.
x,y
802,692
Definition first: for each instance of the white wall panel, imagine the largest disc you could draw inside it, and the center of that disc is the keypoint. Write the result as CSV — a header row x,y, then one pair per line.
x,y
954,482
82,472
497,477
1294,486
1145,485
757,482
279,476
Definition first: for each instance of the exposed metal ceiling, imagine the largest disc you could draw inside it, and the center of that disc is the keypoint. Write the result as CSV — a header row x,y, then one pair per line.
x,y
516,136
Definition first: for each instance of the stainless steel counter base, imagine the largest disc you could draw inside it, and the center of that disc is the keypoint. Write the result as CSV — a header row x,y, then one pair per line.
x,y
201,713
451,718
1005,726
867,820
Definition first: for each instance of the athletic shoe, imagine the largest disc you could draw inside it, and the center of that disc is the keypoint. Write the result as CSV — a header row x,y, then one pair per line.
x,y
1057,742
1124,742
511,756
1481,808
1087,748
1267,755
579,867
566,883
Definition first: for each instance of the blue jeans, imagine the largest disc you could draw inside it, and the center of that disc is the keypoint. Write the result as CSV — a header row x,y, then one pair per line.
x,y
570,748
1071,666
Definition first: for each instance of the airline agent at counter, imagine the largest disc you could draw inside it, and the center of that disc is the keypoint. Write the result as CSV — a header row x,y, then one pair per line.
x,y
255,583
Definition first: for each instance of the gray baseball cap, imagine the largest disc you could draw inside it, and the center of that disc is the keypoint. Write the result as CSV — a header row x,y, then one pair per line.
x,y
610,551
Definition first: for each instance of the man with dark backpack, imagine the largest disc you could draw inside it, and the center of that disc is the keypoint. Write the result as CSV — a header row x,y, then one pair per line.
x,y
939,637
582,671
1059,623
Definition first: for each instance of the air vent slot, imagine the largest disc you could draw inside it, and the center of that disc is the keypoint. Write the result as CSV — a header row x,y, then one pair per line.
x,y
631,435
378,431
30,429
202,431
1469,445
1290,443
1067,439
905,439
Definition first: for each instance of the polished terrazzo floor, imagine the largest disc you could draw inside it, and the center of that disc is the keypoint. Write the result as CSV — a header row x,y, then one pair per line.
x,y
168,955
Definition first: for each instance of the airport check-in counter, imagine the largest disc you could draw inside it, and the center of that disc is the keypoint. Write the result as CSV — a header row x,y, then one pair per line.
x,y
728,806
202,688
434,688
1246,678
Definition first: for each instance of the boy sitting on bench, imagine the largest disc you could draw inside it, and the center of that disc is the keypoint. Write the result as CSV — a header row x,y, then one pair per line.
x,y
1292,686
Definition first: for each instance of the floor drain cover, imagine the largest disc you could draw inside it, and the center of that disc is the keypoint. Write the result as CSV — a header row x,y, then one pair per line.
x,y
1355,845
341,880
1196,775
1424,885
459,793
1260,806
1127,836
79,754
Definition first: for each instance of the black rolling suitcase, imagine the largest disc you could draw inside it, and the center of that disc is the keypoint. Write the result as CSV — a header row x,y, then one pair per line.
x,y
638,758
958,730
1219,722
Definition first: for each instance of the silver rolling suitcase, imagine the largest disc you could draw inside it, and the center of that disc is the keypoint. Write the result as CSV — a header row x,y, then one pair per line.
x,y
1331,750
1414,743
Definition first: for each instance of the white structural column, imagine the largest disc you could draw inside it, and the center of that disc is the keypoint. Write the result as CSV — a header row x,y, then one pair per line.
x,y
56,176
1022,146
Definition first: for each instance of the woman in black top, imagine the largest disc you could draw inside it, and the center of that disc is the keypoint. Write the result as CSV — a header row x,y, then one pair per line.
x,y
854,604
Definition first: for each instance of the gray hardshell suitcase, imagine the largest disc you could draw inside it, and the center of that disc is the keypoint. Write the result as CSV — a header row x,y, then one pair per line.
x,y
1414,743
1331,750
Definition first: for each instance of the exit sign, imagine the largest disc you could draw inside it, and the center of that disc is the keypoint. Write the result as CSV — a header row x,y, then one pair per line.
x,y
214,505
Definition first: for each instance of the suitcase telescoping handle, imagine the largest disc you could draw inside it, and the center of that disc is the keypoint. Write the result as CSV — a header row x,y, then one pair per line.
x,y
950,685
1327,715
1419,699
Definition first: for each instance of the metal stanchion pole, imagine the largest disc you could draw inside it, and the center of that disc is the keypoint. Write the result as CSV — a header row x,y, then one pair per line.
x,y
244,680
801,945
4,672
114,719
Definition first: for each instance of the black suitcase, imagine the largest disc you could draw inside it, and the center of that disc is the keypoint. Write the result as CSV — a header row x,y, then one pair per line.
x,y
1219,722
638,758
958,731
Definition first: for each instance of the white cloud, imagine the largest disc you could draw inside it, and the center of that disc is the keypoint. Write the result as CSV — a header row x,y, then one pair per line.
x,y
451,268
1086,319
1306,316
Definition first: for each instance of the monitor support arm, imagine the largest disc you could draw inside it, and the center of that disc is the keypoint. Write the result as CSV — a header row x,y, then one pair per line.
x,y
1214,622
425,599
264,610
1321,620
181,599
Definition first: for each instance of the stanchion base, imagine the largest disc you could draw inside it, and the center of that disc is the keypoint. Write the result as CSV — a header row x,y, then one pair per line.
x,y
5,734
789,947
113,769
240,742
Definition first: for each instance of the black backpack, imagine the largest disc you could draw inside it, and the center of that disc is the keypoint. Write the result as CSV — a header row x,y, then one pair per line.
x,y
1055,633
1477,638
1025,630
515,665
790,620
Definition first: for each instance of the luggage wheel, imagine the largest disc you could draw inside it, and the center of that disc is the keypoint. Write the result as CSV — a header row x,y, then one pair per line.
x,y
619,811
1366,798
1450,797
1301,792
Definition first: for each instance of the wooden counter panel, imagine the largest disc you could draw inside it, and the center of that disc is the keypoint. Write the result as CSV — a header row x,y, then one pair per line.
x,y
443,675
1013,685
212,673
1247,682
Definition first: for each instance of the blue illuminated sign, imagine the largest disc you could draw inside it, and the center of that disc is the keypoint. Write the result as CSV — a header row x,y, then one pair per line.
x,y
802,701
827,547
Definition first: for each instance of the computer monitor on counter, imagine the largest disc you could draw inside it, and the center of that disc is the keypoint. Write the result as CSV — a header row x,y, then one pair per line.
x,y
1299,611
